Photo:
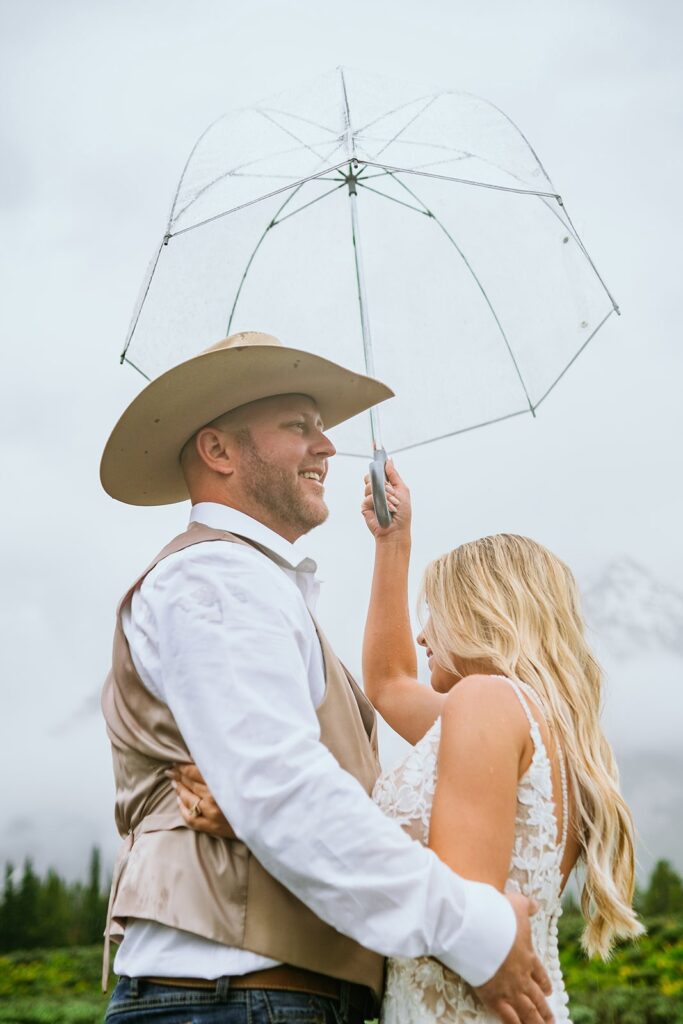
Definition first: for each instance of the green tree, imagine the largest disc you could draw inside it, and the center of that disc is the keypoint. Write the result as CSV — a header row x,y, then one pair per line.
x,y
55,912
94,905
9,914
664,894
28,909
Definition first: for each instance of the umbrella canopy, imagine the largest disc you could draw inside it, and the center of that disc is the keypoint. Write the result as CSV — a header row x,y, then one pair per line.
x,y
476,291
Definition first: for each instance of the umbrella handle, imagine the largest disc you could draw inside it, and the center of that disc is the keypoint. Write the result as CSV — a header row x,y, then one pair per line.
x,y
379,495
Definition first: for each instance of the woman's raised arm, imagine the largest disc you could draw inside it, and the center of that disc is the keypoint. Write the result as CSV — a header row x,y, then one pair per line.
x,y
389,657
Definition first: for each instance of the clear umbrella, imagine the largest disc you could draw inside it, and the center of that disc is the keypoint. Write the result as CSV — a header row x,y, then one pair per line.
x,y
415,237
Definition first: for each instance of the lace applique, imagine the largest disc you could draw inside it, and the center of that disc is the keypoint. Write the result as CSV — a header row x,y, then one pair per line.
x,y
421,990
407,792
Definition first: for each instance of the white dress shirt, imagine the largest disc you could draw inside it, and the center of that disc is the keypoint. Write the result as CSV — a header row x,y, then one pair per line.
x,y
224,636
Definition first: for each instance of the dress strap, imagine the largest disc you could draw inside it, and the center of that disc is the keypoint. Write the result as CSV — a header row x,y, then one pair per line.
x,y
525,693
522,697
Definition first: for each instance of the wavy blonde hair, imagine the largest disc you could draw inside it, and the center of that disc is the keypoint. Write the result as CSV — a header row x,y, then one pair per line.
x,y
507,602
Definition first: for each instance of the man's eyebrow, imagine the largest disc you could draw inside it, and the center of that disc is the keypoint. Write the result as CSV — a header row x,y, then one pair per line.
x,y
304,414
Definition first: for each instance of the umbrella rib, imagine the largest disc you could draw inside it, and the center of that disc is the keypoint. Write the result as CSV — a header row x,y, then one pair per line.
x,y
298,117
463,181
150,275
544,197
575,357
402,106
416,142
187,164
258,199
233,173
569,226
461,155
130,363
429,102
305,206
442,437
350,138
448,159
479,285
273,177
409,206
587,255
256,249
287,132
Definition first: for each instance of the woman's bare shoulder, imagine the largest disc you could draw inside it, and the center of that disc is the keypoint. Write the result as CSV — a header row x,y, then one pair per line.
x,y
485,703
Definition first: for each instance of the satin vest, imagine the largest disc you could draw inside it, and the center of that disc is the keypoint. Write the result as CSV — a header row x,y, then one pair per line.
x,y
168,873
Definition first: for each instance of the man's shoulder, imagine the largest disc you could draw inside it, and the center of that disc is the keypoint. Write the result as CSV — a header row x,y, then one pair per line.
x,y
221,551
219,561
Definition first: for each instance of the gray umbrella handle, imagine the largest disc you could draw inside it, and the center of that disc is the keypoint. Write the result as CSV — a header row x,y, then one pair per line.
x,y
379,495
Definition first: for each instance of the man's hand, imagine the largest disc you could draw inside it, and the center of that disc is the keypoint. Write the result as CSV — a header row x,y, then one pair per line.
x,y
516,991
197,806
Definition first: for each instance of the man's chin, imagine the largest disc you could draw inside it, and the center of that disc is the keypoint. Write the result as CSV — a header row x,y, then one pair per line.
x,y
314,515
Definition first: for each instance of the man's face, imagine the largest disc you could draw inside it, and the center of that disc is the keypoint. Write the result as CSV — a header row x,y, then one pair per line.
x,y
281,462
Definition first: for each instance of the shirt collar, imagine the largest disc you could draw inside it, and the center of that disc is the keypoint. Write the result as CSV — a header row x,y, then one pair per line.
x,y
223,517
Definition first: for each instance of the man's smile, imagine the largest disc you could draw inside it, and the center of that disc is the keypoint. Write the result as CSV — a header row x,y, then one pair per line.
x,y
318,475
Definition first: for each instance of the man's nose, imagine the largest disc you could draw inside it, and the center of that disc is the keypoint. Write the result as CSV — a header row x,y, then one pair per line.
x,y
323,446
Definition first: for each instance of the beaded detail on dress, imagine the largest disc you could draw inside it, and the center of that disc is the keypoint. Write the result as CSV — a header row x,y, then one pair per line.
x,y
421,990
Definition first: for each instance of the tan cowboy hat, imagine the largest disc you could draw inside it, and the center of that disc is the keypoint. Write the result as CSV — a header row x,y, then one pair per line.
x,y
141,460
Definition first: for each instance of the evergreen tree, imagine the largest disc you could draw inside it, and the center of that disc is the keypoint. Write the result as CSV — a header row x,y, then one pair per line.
x,y
8,912
664,894
55,911
28,909
94,902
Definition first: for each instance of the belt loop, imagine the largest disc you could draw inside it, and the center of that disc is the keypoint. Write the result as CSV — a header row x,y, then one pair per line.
x,y
134,988
222,988
344,1000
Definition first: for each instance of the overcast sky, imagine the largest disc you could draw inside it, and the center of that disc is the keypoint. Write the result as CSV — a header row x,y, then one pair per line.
x,y
102,102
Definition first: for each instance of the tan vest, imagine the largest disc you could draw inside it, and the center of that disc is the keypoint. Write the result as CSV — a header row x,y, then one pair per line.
x,y
213,887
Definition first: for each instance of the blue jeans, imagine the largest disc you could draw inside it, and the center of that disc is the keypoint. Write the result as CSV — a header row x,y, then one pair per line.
x,y
135,1000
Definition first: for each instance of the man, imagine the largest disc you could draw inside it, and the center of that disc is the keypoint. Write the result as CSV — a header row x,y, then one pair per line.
x,y
217,660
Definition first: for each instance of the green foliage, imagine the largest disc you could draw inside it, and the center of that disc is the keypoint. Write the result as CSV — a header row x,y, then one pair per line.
x,y
60,986
49,912
641,984
665,892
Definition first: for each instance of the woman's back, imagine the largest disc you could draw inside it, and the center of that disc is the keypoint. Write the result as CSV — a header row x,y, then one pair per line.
x,y
421,991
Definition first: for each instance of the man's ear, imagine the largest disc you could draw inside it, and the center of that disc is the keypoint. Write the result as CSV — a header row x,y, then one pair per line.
x,y
216,450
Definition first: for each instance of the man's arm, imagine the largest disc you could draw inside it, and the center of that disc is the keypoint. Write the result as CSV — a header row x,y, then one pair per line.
x,y
230,634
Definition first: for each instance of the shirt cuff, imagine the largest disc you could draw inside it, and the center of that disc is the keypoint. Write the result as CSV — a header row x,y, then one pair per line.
x,y
486,935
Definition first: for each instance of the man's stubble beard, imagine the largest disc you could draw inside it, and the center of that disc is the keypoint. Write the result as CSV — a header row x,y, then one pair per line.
x,y
273,489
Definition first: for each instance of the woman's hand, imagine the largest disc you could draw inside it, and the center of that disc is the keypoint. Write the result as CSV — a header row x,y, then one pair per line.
x,y
198,808
398,499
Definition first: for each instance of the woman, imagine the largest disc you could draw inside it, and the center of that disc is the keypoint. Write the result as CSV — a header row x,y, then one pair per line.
x,y
510,727
527,784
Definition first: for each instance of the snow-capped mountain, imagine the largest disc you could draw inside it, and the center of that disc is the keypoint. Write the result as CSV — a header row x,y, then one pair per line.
x,y
629,611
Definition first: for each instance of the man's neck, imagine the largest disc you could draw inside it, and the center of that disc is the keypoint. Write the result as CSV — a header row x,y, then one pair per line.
x,y
286,531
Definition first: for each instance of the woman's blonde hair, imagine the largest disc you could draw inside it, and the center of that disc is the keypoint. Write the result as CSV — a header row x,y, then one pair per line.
x,y
507,602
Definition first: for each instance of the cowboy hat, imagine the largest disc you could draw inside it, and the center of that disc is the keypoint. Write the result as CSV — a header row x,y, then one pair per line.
x,y
141,460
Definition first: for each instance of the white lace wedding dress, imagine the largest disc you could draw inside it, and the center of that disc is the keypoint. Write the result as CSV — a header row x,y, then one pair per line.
x,y
421,990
